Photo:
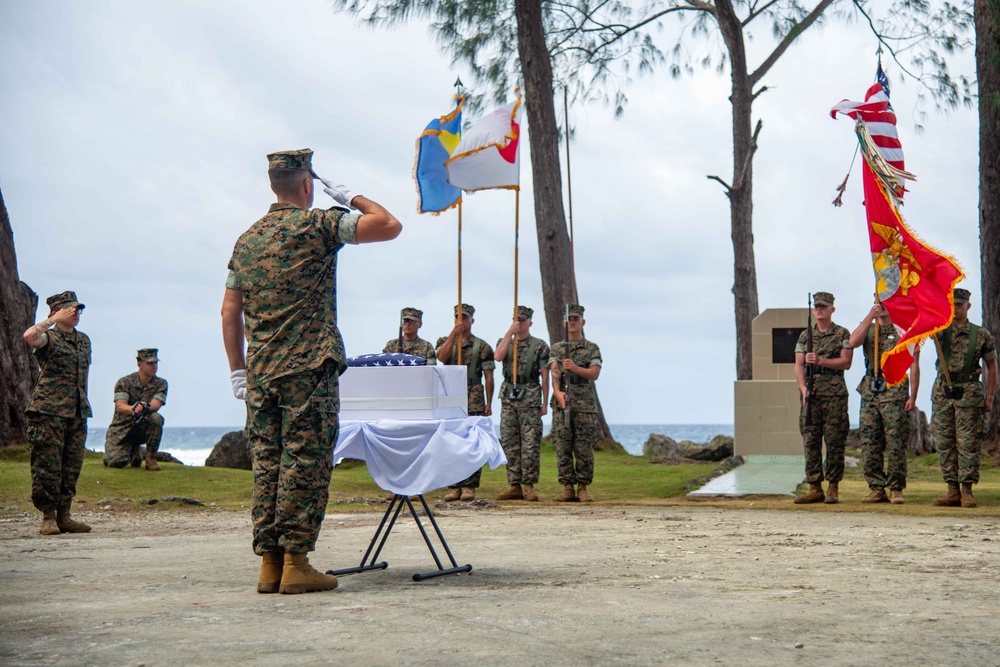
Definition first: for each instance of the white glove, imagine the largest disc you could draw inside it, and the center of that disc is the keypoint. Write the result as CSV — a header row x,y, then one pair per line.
x,y
339,193
239,380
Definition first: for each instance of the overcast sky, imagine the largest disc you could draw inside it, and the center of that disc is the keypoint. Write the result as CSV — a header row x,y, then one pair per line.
x,y
133,138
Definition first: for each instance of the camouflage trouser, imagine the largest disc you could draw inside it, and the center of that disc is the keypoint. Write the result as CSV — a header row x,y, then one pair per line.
x,y
473,480
292,429
521,437
57,446
885,434
126,452
958,436
576,442
830,425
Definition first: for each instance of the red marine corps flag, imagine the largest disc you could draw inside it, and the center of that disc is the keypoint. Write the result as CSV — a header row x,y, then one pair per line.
x,y
914,281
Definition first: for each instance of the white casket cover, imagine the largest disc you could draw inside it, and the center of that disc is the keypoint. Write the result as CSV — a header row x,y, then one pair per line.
x,y
404,392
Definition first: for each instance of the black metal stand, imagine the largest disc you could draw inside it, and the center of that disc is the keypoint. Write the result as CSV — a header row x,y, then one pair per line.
x,y
395,507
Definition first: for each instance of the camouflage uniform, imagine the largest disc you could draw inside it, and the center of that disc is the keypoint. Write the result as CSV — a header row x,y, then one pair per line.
x,y
121,444
477,392
830,421
579,440
418,347
521,421
885,424
285,266
957,424
56,417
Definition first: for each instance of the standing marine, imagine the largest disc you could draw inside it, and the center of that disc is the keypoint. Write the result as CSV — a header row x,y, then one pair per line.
x,y
411,320
57,415
885,410
831,356
477,356
522,405
575,365
959,403
137,420
281,296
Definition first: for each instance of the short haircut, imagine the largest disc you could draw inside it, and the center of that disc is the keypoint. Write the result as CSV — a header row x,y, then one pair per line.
x,y
287,181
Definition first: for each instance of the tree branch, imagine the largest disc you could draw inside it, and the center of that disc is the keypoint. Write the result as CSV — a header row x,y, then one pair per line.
x,y
789,38
881,40
754,14
724,184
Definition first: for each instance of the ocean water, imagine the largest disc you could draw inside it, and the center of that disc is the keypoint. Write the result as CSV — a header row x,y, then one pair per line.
x,y
192,445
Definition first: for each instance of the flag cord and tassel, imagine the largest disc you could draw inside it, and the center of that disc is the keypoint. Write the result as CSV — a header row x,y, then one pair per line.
x,y
839,201
459,310
890,176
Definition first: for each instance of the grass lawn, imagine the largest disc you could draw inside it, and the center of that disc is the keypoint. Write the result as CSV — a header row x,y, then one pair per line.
x,y
621,479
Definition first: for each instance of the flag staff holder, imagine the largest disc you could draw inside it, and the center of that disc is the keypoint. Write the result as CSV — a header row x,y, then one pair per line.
x,y
396,505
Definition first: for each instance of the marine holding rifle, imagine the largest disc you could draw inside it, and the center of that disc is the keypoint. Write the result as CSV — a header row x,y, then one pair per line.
x,y
524,395
959,403
410,321
824,405
575,364
138,399
885,410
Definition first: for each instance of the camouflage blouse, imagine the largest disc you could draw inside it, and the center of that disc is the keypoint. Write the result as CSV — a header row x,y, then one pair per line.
x,y
285,266
585,354
131,390
484,362
887,339
973,395
530,376
827,345
418,347
61,389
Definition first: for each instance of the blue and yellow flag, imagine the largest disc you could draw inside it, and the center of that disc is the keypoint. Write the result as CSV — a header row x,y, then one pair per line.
x,y
434,148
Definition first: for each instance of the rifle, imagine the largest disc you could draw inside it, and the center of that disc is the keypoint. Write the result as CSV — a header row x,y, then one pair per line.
x,y
400,342
810,373
564,375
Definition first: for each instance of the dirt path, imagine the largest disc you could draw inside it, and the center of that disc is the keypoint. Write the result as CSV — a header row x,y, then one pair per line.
x,y
567,586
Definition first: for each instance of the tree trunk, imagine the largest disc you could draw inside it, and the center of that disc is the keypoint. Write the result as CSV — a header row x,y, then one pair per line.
x,y
987,17
740,190
18,369
550,217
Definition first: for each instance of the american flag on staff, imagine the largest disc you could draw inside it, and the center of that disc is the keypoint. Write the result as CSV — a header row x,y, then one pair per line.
x,y
877,133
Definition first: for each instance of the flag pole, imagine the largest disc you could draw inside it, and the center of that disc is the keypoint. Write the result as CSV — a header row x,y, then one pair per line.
x,y
569,191
459,310
517,223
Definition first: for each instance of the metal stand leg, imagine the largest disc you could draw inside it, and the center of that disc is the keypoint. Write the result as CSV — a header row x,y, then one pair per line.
x,y
395,507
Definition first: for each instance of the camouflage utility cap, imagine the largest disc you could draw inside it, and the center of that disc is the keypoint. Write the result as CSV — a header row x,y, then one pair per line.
x,y
64,300
576,309
301,160
412,314
524,313
466,310
147,354
962,295
823,299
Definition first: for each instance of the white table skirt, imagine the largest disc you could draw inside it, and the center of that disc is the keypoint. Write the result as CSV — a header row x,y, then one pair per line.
x,y
411,456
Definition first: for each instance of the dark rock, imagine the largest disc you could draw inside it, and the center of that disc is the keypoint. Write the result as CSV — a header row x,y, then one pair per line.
x,y
661,447
184,500
230,452
718,449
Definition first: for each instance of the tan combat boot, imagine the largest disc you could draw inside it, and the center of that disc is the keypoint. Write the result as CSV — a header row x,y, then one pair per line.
x,y
951,499
813,495
468,494
529,493
67,524
567,496
896,497
453,495
876,496
582,495
832,494
49,525
270,572
967,499
298,576
513,493
151,463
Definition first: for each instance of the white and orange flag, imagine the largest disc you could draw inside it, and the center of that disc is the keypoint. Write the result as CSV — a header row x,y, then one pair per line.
x,y
488,156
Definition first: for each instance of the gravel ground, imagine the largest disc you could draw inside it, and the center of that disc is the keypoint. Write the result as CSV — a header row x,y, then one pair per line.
x,y
550,586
